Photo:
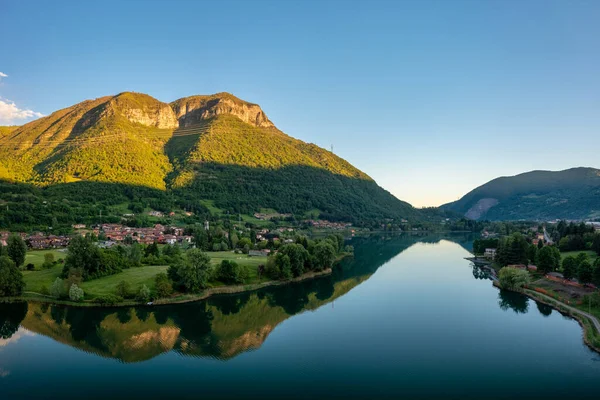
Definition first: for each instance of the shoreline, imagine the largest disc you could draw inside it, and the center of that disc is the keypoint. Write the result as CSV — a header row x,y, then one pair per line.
x,y
590,332
183,298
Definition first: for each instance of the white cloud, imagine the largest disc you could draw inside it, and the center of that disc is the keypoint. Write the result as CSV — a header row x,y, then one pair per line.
x,y
3,75
10,113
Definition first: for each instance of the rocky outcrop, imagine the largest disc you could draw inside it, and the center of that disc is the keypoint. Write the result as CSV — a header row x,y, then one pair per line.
x,y
143,109
193,110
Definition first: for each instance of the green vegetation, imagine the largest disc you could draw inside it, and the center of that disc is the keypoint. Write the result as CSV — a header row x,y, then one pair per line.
x,y
11,279
94,161
513,278
537,195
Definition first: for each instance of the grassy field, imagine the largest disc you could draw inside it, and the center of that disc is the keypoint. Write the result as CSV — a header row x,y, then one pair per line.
x,y
136,277
591,254
36,257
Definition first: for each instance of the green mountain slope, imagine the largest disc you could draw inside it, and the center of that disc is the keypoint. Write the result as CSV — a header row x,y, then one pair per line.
x,y
215,147
537,195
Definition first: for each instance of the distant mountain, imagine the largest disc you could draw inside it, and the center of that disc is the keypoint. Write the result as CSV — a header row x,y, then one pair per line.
x,y
538,195
217,148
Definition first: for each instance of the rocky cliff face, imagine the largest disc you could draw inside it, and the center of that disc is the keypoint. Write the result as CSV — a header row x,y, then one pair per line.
x,y
192,110
145,110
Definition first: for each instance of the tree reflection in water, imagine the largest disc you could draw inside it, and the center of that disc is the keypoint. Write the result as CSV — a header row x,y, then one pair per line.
x,y
514,301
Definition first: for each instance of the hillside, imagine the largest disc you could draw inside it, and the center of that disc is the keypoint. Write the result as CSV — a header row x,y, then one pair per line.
x,y
537,195
214,148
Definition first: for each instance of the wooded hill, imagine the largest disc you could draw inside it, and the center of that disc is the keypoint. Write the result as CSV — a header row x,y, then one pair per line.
x,y
538,195
217,148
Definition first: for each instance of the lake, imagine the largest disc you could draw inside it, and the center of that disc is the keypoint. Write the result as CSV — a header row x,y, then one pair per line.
x,y
407,317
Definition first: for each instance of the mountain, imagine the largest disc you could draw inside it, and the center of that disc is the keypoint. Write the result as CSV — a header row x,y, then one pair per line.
x,y
217,150
537,195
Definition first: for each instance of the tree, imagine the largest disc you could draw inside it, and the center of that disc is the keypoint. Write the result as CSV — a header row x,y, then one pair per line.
x,y
143,294
193,272
162,285
585,272
11,279
124,289
513,278
532,254
284,266
569,266
16,249
596,243
547,259
57,288
84,254
596,273
298,256
152,250
48,261
75,293
134,254
323,255
230,272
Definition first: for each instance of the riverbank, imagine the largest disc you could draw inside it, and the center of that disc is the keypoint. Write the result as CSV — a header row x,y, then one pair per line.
x,y
589,323
183,298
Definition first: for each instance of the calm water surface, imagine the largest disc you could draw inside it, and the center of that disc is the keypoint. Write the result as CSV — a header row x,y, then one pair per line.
x,y
408,317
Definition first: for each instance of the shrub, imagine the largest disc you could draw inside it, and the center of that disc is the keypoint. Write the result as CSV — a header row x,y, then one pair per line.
x,y
57,288
75,293
108,299
230,272
30,267
44,290
124,289
143,294
162,285
513,278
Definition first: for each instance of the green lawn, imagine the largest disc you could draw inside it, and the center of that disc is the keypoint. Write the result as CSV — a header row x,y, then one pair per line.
x,y
36,257
136,277
35,280
592,254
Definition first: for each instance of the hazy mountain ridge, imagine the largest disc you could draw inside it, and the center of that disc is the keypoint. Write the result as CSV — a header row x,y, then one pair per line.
x,y
538,195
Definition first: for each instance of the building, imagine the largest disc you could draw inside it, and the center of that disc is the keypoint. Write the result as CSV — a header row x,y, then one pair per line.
x,y
490,253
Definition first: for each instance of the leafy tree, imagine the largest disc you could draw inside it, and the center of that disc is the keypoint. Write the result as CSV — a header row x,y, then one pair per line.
x,y
57,289
532,254
513,278
162,285
569,266
596,243
124,289
16,249
284,266
596,273
323,255
298,256
75,293
152,250
143,294
230,272
134,254
84,254
193,272
585,272
48,261
11,279
548,261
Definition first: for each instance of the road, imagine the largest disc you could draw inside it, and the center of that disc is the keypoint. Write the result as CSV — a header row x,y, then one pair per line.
x,y
572,309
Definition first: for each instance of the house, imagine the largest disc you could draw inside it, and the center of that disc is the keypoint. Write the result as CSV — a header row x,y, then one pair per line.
x,y
490,253
170,239
78,226
532,268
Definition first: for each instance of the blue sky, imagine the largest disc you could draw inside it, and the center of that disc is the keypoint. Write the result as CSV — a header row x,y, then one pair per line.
x,y
430,98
